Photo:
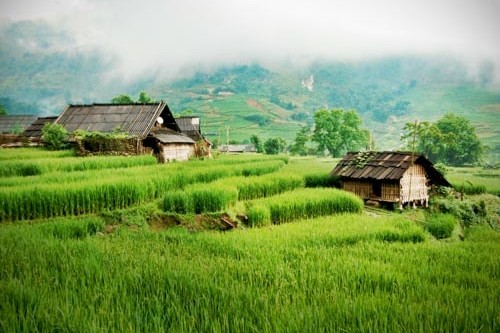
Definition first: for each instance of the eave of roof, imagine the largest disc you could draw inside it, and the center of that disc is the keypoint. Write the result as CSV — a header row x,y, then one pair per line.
x,y
384,166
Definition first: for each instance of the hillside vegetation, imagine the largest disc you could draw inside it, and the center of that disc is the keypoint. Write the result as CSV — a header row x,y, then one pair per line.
x,y
39,75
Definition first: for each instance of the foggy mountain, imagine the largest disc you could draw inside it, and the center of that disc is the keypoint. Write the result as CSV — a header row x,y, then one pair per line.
x,y
43,68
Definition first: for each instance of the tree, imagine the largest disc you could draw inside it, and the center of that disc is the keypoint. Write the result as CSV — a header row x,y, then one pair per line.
x,y
122,99
338,131
144,98
274,146
451,140
126,99
2,110
298,146
255,140
55,136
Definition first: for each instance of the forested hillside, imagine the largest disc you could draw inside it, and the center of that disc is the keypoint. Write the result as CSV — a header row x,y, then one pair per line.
x,y
42,70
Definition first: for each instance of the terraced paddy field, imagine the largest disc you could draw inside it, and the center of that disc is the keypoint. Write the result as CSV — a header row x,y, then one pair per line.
x,y
89,245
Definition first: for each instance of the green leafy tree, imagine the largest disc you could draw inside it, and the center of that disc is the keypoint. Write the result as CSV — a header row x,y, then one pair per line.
x,y
451,140
2,110
255,140
55,136
298,146
274,146
338,131
144,98
122,99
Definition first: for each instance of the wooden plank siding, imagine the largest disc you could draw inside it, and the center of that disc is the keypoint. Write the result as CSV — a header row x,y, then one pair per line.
x,y
414,184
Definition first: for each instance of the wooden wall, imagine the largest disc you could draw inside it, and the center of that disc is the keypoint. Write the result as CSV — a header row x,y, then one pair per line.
x,y
414,184
176,151
358,187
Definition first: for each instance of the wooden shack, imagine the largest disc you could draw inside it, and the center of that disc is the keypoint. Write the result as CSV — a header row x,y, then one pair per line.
x,y
11,129
151,128
389,177
191,126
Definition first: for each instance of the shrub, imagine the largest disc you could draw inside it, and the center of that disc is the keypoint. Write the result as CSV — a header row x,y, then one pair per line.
x,y
440,225
55,136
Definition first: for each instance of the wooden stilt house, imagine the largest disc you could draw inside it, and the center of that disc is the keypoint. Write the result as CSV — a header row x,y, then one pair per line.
x,y
392,177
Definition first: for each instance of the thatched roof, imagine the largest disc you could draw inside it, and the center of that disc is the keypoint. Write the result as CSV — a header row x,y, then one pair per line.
x,y
134,119
10,123
35,129
384,166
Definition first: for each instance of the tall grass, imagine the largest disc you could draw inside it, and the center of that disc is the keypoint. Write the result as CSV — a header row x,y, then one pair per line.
x,y
198,200
33,153
333,274
254,187
307,203
23,167
92,191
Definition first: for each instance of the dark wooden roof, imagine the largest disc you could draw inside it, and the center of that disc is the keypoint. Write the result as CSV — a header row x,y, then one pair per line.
x,y
134,119
384,166
166,135
190,126
11,123
35,129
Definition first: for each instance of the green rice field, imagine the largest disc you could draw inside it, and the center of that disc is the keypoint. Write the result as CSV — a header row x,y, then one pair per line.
x,y
127,245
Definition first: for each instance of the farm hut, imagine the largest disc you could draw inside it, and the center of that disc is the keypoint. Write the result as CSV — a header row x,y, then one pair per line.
x,y
190,126
11,128
392,177
151,127
237,149
15,124
34,131
173,146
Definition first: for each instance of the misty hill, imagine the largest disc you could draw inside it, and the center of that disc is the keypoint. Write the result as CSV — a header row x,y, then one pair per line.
x,y
42,70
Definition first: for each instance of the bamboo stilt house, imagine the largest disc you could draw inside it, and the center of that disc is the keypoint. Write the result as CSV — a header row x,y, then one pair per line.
x,y
392,177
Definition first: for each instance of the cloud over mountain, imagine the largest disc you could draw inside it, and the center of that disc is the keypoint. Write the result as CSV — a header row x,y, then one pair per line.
x,y
166,37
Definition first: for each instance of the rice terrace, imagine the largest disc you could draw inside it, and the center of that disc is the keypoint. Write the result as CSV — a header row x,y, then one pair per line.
x,y
236,243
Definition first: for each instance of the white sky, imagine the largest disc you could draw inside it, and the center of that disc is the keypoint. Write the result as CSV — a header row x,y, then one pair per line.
x,y
167,36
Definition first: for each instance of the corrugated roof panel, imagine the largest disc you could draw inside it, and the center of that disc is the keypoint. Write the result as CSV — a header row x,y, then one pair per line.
x,y
134,119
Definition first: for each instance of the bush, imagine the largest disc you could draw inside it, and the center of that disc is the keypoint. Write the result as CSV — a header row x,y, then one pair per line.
x,y
440,225
55,136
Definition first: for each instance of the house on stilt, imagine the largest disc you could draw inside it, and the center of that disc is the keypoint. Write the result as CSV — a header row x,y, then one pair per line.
x,y
389,177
